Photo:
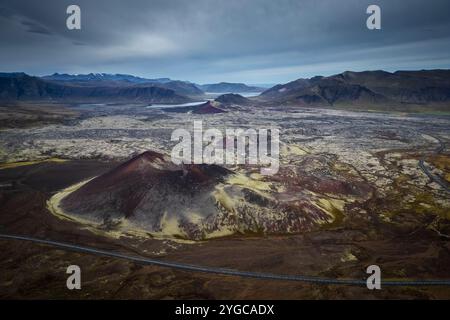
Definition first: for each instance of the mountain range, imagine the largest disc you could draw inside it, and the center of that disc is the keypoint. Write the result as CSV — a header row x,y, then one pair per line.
x,y
22,87
124,80
102,77
379,90
227,87
103,86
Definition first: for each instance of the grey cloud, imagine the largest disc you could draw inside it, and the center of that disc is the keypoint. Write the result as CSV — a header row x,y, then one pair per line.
x,y
234,40
36,28
6,13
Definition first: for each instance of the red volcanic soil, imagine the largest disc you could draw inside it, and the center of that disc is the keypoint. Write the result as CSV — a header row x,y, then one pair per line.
x,y
334,186
207,108
149,184
152,167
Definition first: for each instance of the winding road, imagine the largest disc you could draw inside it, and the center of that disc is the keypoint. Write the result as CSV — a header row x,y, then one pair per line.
x,y
444,184
223,271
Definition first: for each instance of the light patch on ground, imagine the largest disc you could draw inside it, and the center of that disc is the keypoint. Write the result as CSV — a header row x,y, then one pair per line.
x,y
170,227
9,165
223,232
292,149
333,207
243,180
348,257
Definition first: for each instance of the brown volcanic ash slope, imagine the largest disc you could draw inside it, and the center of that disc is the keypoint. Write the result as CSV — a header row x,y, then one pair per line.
x,y
209,107
151,192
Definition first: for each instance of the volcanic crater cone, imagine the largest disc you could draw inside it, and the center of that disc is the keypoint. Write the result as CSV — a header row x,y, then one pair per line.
x,y
152,193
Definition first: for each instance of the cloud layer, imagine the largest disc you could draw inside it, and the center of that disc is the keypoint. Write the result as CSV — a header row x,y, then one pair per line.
x,y
253,41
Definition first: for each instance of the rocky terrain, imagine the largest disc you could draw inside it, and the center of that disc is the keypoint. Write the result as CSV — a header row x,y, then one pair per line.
x,y
194,202
333,164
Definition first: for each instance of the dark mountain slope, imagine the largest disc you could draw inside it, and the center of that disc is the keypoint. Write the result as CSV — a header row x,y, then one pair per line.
x,y
26,88
405,86
233,99
368,88
117,80
102,77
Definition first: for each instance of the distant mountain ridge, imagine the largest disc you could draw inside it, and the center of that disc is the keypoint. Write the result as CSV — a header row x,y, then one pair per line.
x,y
22,87
102,77
105,79
367,88
232,99
378,90
228,87
98,86
182,87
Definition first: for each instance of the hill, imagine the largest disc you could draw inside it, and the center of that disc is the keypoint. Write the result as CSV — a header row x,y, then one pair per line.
x,y
402,90
233,99
152,193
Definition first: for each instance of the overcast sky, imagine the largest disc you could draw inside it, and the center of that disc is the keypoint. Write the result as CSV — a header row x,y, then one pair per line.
x,y
252,41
